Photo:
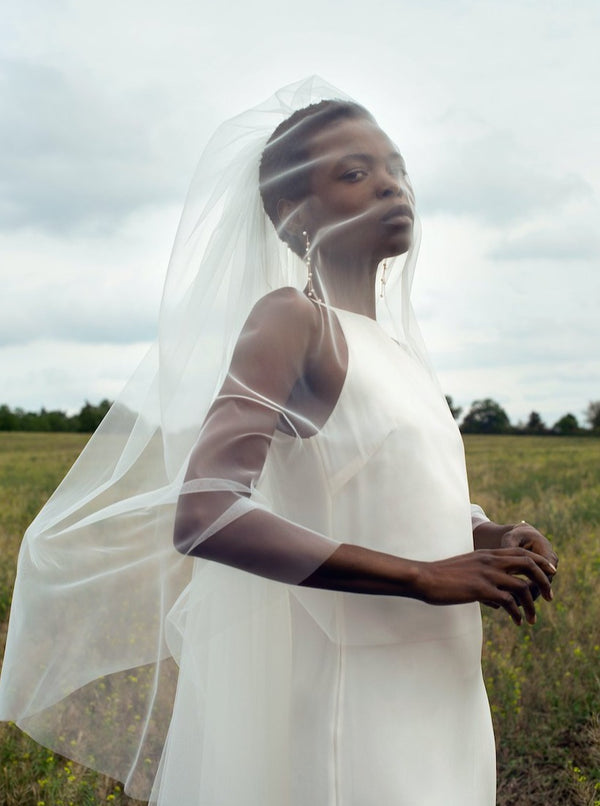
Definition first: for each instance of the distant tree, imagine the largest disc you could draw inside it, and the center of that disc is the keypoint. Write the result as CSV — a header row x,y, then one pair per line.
x,y
86,421
28,420
8,420
59,421
456,410
486,417
566,426
19,414
592,415
90,417
38,421
535,424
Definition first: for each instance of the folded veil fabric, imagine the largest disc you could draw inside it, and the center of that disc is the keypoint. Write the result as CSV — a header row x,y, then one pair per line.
x,y
103,602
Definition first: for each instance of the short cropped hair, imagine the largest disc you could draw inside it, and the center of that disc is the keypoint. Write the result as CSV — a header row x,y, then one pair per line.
x,y
284,171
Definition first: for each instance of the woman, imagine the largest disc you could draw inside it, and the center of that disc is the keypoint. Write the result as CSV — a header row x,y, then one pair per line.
x,y
328,460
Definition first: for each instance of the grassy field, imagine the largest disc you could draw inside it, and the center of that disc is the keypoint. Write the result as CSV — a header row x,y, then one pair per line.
x,y
543,681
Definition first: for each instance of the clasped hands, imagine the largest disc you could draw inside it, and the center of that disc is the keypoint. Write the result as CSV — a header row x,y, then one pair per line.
x,y
525,536
511,567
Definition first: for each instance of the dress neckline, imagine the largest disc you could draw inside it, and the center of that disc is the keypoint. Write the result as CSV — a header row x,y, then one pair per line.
x,y
363,316
352,313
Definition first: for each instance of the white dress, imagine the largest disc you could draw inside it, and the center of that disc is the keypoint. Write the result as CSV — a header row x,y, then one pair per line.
x,y
344,699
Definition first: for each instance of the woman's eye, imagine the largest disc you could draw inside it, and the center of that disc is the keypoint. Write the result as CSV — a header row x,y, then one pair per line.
x,y
354,176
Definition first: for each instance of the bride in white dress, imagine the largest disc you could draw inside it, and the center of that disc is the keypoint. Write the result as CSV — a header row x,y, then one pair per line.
x,y
344,669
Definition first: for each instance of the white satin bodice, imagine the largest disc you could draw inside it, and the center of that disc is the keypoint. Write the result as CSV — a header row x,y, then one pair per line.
x,y
386,471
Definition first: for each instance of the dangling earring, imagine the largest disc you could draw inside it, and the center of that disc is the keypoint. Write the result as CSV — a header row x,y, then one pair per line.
x,y
383,280
311,291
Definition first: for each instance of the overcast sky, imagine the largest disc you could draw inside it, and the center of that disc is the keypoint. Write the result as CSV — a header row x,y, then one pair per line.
x,y
105,107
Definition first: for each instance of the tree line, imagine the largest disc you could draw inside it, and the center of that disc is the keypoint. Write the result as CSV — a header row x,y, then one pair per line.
x,y
488,417
484,417
87,419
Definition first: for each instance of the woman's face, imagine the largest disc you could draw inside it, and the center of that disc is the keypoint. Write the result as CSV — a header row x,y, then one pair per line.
x,y
361,201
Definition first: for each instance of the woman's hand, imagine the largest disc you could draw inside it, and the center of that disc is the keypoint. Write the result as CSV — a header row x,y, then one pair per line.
x,y
498,577
524,535
505,577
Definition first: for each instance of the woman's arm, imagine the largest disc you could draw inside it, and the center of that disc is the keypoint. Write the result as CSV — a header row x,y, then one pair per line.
x,y
216,520
499,578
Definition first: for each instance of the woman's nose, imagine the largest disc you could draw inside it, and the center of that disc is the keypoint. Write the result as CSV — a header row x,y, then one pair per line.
x,y
390,186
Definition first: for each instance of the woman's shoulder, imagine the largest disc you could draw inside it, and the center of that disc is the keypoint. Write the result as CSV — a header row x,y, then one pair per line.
x,y
284,303
284,313
282,334
287,337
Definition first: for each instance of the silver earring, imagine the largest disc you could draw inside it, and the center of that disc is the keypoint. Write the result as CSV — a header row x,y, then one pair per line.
x,y
307,259
383,280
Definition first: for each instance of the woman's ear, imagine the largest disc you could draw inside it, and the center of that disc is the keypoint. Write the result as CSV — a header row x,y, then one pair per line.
x,y
290,218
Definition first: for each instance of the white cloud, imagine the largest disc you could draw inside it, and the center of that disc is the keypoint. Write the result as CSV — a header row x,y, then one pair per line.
x,y
563,237
74,156
91,289
105,107
62,375
493,179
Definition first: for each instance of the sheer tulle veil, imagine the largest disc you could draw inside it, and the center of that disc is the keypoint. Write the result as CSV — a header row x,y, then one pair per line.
x,y
103,603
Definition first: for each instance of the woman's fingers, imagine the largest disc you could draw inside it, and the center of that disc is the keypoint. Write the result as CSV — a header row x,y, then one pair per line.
x,y
512,601
528,537
507,601
525,576
538,569
510,578
518,562
521,593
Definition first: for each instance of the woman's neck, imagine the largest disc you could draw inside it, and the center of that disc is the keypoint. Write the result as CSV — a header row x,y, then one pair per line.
x,y
350,287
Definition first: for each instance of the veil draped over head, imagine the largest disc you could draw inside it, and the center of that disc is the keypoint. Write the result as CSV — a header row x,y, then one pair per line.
x,y
104,605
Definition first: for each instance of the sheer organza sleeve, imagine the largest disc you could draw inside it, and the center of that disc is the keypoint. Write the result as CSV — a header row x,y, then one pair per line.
x,y
221,514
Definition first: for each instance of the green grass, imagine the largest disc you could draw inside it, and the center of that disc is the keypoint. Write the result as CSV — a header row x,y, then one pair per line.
x,y
31,466
543,681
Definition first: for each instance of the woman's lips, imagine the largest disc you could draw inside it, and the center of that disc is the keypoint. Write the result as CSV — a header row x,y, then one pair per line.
x,y
400,214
